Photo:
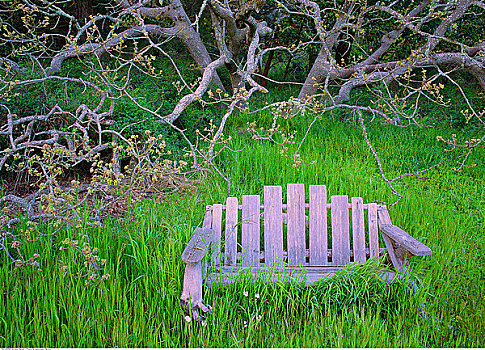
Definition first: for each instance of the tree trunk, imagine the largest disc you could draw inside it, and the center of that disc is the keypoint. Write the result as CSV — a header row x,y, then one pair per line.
x,y
237,83
82,9
191,39
317,74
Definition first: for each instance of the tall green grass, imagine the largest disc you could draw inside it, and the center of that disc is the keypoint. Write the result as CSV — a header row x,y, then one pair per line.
x,y
139,305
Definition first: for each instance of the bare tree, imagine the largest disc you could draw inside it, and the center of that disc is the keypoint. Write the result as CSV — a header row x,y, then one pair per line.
x,y
43,146
433,22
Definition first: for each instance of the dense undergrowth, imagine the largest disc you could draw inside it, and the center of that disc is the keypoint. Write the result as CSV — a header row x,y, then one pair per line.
x,y
138,306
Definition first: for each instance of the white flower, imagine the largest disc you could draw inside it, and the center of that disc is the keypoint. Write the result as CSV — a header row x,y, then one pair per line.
x,y
188,319
245,293
256,295
245,324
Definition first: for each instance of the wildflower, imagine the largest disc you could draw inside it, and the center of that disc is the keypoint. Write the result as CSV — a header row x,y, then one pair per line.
x,y
188,319
106,276
257,295
245,324
245,293
15,244
204,323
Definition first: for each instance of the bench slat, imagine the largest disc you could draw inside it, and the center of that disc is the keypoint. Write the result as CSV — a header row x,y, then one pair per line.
x,y
382,251
230,248
373,229
206,227
285,206
250,230
358,229
317,222
340,230
216,233
206,223
296,224
308,274
273,224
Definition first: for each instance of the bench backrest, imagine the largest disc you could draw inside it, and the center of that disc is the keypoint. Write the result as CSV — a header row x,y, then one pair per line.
x,y
307,242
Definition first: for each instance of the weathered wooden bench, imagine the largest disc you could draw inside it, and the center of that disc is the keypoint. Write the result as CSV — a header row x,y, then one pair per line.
x,y
309,247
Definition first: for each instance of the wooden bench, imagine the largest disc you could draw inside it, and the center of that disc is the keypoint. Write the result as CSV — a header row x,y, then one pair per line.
x,y
321,237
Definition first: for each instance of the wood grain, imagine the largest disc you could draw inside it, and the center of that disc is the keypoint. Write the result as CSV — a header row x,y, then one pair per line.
x,y
309,275
206,227
373,230
250,230
230,249
318,225
358,229
273,224
197,246
405,240
382,251
216,233
340,230
296,224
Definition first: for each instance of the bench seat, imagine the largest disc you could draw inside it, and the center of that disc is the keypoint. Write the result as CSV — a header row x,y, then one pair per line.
x,y
304,241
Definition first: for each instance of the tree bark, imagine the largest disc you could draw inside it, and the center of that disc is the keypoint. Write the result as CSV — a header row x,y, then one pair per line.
x,y
192,41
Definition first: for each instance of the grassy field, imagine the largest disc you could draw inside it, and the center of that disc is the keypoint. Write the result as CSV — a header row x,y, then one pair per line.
x,y
138,306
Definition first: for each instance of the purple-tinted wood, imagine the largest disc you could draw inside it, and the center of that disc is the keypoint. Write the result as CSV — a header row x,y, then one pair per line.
x,y
296,224
358,229
273,224
318,225
373,230
216,233
340,230
250,230
230,248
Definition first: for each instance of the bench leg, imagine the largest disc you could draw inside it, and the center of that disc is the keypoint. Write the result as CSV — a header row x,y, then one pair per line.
x,y
191,299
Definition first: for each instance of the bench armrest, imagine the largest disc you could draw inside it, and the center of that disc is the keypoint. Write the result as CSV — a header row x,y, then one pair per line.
x,y
197,246
405,240
191,299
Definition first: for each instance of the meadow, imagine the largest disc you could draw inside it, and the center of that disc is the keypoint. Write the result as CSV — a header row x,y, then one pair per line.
x,y
138,306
